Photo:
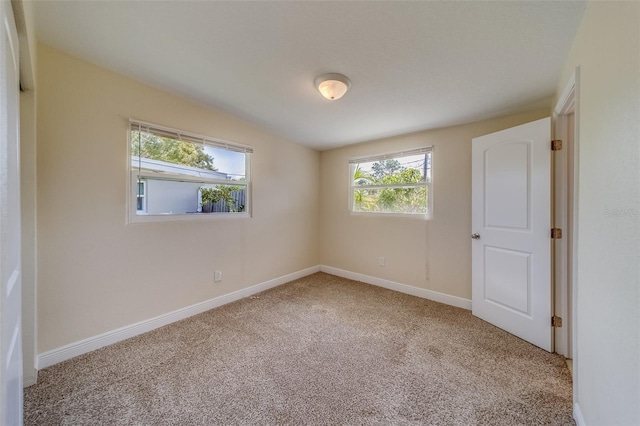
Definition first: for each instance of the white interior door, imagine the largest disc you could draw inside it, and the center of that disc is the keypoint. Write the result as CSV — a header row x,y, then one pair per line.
x,y
10,286
511,222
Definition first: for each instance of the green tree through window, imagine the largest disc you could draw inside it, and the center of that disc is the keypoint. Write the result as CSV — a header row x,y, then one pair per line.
x,y
155,147
397,185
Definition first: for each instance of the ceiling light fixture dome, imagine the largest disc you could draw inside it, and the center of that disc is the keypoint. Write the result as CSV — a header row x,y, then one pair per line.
x,y
333,86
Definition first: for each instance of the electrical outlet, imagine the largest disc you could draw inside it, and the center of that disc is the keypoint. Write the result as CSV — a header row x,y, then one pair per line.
x,y
217,276
381,261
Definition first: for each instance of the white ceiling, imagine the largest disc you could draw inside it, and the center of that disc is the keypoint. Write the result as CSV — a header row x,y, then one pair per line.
x,y
413,65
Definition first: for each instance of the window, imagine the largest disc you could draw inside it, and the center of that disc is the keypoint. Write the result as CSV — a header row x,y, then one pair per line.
x,y
392,184
141,200
180,175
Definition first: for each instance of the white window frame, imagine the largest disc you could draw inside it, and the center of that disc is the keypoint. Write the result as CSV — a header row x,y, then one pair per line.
x,y
428,183
134,175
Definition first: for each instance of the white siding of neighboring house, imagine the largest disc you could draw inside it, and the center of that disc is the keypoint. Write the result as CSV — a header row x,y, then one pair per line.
x,y
172,197
165,196
138,163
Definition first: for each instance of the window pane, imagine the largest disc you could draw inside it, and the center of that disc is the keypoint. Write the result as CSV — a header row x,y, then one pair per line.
x,y
395,171
161,154
146,145
392,184
172,175
222,198
168,197
231,163
407,200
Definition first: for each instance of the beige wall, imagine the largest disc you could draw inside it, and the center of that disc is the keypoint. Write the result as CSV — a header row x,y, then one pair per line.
x,y
95,272
431,254
607,50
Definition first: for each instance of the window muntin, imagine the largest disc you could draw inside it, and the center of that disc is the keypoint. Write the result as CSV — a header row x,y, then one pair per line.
x,y
392,184
176,168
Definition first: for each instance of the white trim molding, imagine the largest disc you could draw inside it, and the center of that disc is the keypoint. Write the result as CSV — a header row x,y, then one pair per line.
x,y
447,299
29,380
577,415
66,352
55,356
566,101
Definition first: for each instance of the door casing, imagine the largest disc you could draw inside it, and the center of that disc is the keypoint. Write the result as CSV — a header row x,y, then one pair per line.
x,y
566,117
11,373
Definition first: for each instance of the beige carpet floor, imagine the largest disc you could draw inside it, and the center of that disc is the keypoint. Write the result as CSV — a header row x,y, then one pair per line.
x,y
320,350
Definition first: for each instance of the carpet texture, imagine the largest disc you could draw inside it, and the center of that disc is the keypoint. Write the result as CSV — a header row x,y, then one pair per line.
x,y
319,350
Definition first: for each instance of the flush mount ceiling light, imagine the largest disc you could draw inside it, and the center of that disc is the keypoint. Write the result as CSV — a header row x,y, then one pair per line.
x,y
333,86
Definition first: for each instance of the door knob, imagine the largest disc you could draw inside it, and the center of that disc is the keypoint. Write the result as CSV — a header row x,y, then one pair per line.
x,y
475,236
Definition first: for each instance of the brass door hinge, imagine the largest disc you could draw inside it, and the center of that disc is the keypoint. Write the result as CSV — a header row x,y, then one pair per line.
x,y
556,321
556,233
556,145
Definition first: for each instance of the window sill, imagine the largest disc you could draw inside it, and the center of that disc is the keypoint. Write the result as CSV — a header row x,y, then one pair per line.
x,y
392,215
146,218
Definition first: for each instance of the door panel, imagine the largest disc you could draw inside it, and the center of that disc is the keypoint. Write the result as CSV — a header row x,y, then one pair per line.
x,y
511,259
508,279
506,188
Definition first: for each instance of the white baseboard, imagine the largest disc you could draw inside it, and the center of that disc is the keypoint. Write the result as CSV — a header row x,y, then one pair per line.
x,y
577,415
30,379
402,288
55,356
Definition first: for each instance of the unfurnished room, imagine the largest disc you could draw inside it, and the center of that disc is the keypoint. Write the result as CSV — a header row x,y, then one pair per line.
x,y
320,212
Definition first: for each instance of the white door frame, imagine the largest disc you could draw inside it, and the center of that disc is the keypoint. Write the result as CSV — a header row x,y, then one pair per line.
x,y
562,206
566,217
10,230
